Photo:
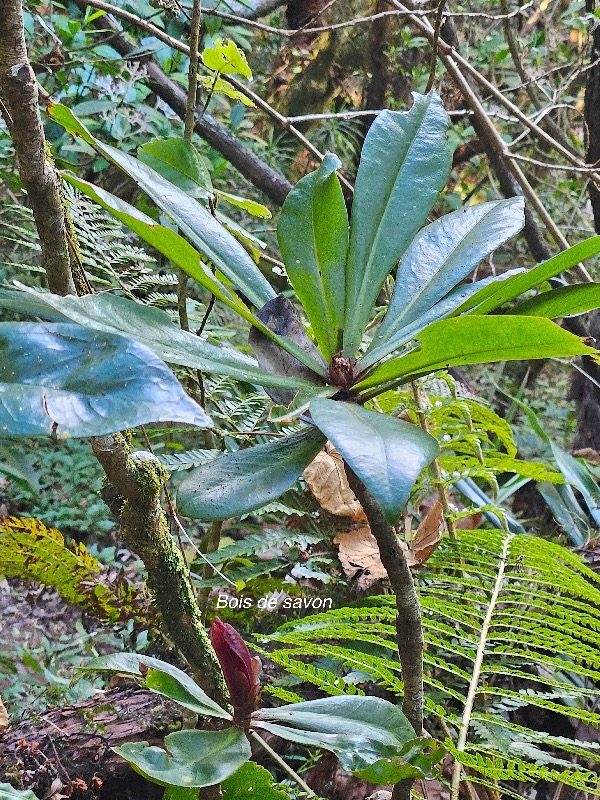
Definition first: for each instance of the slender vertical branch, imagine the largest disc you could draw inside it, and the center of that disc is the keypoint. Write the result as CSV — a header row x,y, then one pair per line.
x,y
437,470
19,107
408,620
409,629
190,111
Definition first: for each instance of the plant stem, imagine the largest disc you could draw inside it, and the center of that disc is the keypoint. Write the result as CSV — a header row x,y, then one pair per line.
x,y
190,111
133,495
409,630
278,760
213,538
408,620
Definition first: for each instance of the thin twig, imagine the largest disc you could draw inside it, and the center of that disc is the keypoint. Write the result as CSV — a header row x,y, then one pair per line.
x,y
278,760
434,45
176,44
190,111
212,541
464,67
452,60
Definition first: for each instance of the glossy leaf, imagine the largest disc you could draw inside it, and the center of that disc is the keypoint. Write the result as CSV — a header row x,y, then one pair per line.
x,y
191,758
313,239
448,306
148,325
248,479
195,222
251,206
73,381
566,511
386,453
416,761
493,297
163,239
181,253
251,782
579,476
443,254
477,340
179,162
404,164
562,302
162,678
359,730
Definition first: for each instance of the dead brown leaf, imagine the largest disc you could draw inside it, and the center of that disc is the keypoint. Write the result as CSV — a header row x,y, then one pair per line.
x,y
359,556
3,716
327,481
427,537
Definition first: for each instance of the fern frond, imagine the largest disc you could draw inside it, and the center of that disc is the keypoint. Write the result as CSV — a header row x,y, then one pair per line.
x,y
512,628
321,678
31,551
187,459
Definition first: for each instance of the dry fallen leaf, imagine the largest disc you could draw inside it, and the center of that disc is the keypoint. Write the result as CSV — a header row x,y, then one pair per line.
x,y
359,556
427,537
3,716
327,481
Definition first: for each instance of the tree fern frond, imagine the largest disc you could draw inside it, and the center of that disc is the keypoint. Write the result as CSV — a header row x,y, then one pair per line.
x,y
283,694
325,680
512,627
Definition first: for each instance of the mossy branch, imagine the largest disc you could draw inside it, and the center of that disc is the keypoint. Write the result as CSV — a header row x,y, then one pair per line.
x,y
132,492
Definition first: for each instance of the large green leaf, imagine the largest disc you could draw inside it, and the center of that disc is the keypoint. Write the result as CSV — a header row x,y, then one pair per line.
x,y
248,479
493,297
191,758
477,340
404,164
181,253
73,381
197,224
150,326
448,306
251,782
562,302
359,730
444,253
386,453
163,239
313,239
180,163
162,678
